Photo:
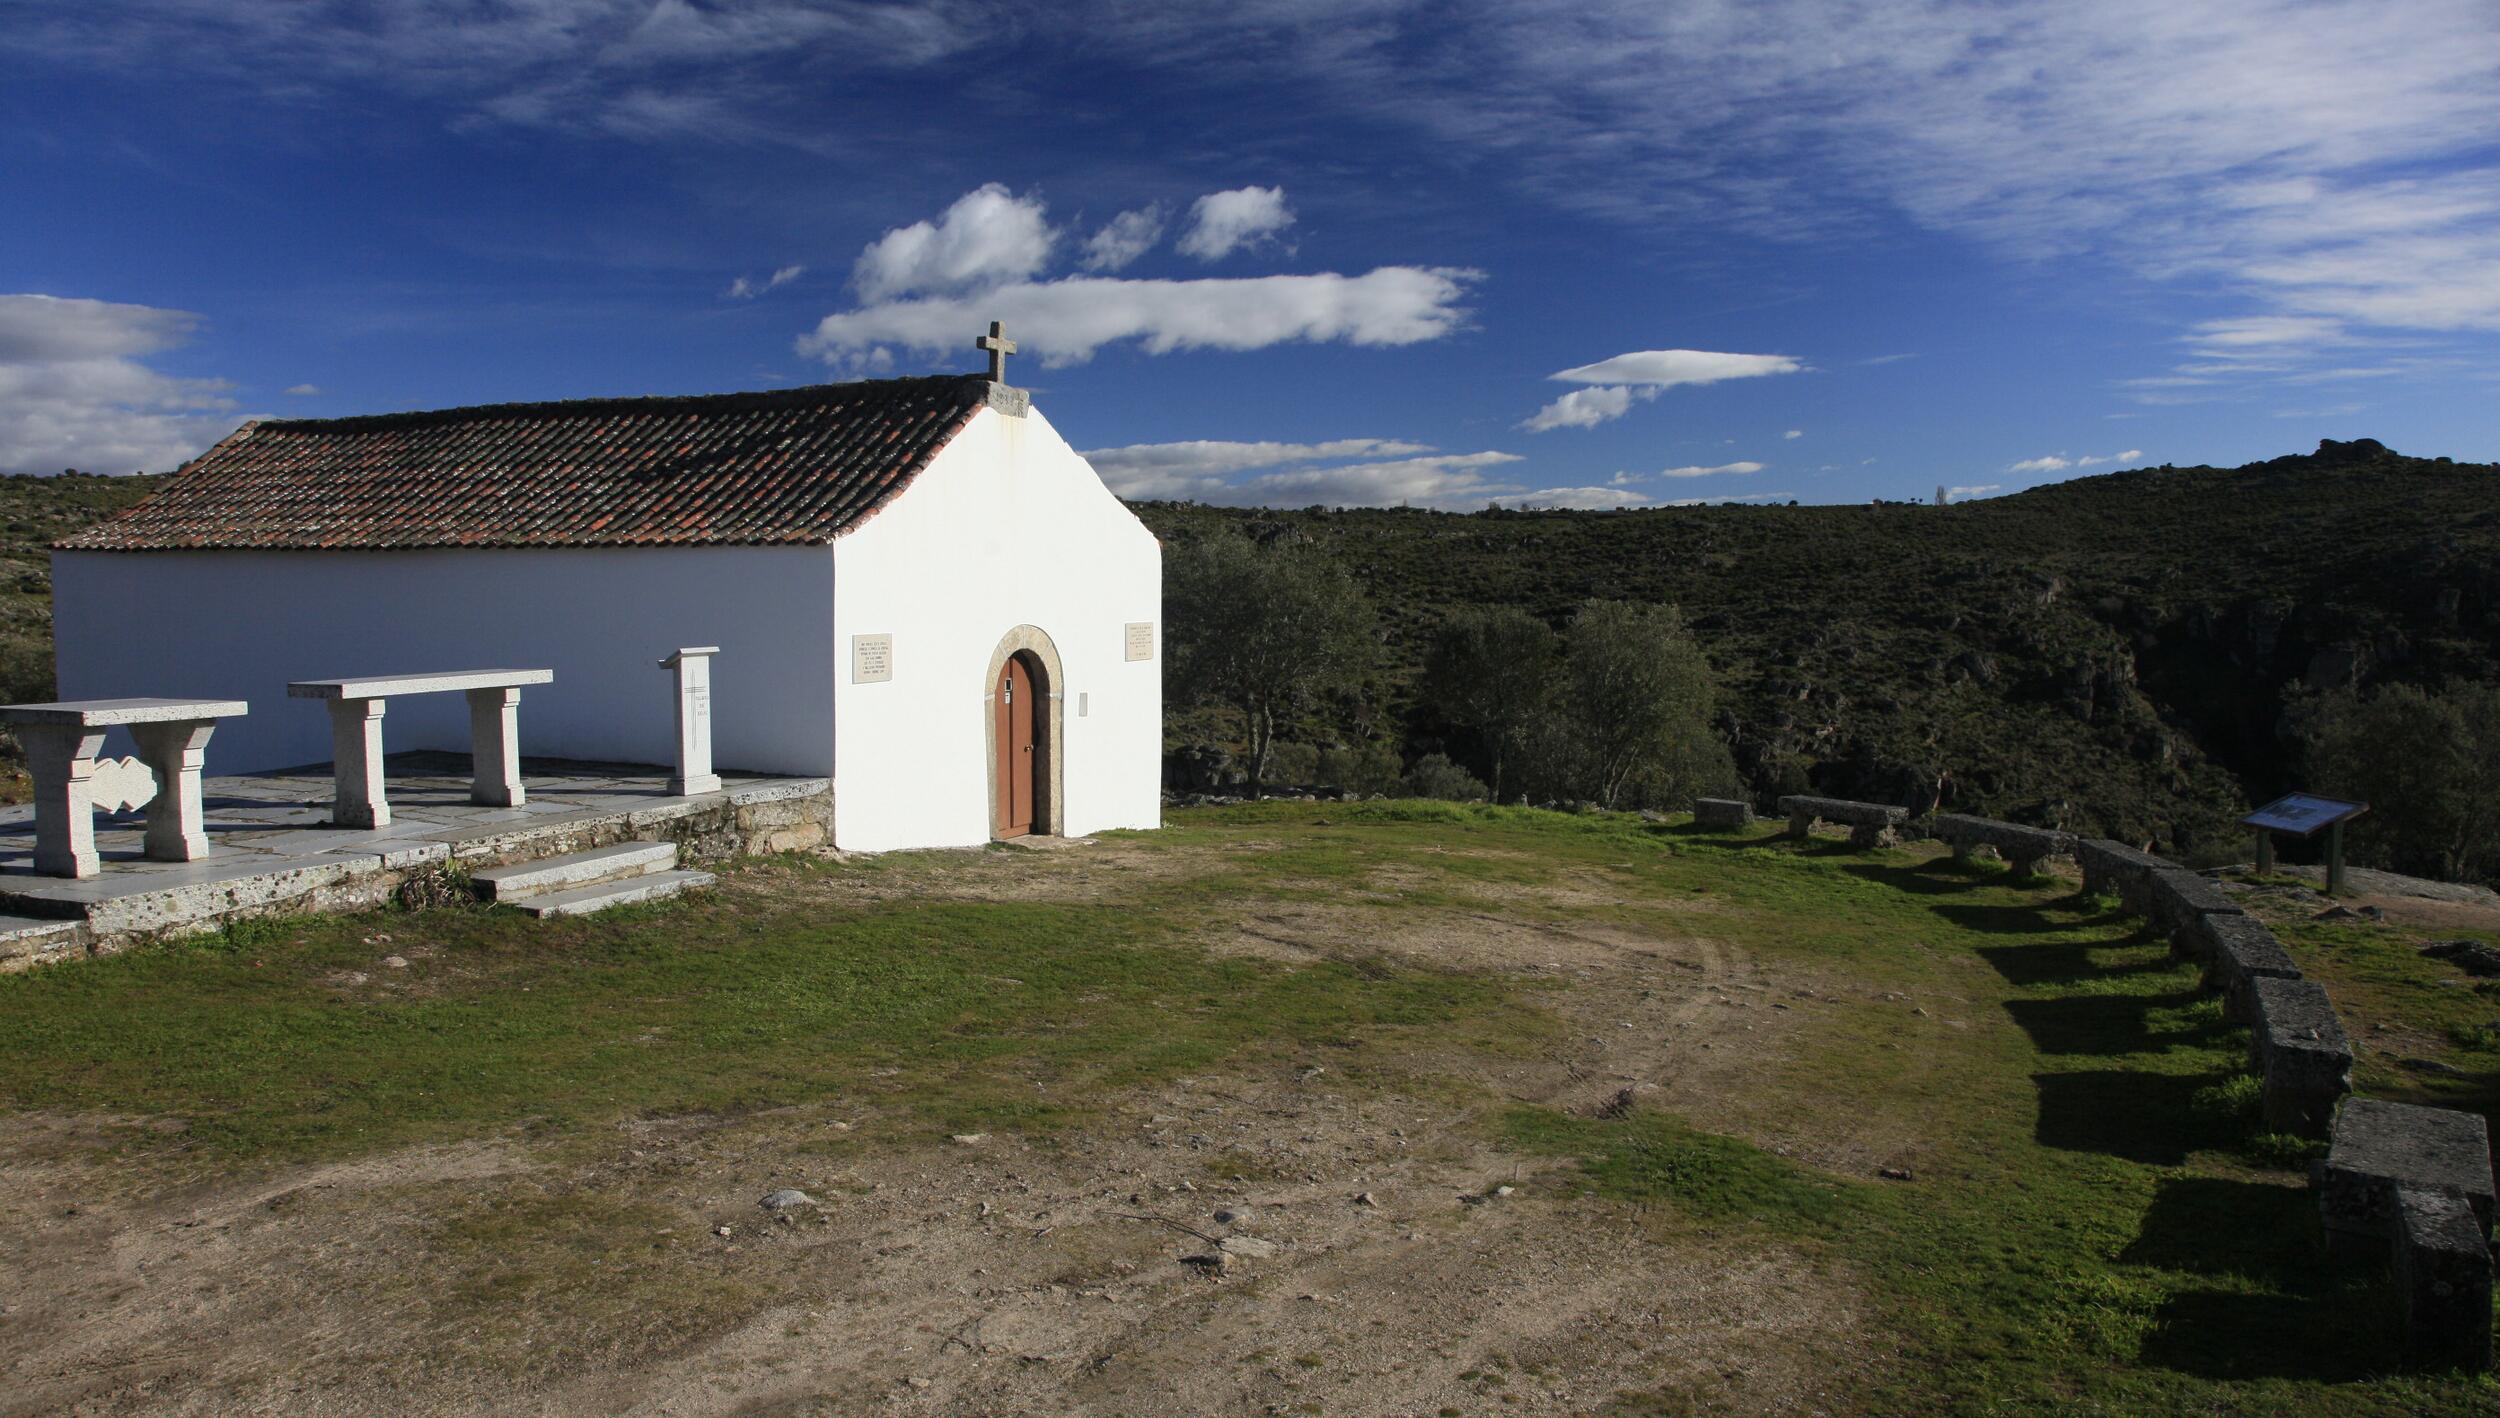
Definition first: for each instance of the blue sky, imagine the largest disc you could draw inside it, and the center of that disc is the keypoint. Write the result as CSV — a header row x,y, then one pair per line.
x,y
1280,251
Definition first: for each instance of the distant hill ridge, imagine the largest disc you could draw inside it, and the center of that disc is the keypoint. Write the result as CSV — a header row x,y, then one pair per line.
x,y
2109,653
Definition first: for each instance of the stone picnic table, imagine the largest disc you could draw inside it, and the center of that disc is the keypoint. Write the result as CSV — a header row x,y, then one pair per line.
x,y
62,740
356,705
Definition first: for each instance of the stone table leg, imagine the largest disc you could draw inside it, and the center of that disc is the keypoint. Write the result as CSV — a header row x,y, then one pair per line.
x,y
61,760
174,751
495,747
1800,825
356,763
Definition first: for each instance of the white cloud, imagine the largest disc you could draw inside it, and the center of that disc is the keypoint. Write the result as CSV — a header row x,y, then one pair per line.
x,y
2129,456
1723,501
1065,321
73,393
1956,494
744,289
303,391
2049,464
1665,369
1586,408
1188,469
1581,499
1794,433
988,237
1695,470
1221,223
1124,238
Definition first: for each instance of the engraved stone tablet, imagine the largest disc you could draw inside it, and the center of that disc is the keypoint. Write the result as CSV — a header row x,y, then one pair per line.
x,y
1141,639
872,659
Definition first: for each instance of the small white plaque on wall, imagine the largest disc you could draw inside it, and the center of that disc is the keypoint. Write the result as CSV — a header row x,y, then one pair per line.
x,y
872,659
1141,639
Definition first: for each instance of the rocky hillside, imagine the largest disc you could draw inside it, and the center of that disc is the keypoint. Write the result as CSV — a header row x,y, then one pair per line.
x,y
2113,653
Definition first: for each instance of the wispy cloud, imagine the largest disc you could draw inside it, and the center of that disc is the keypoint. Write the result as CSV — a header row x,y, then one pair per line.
x,y
1956,494
303,391
1124,238
1221,223
2050,463
1626,379
745,289
1165,470
2096,460
74,394
1695,470
1794,433
1586,408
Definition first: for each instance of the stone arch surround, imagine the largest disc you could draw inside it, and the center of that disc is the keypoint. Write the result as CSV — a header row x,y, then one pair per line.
x,y
1050,814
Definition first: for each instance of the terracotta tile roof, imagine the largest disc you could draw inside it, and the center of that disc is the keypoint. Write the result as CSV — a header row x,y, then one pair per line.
x,y
789,466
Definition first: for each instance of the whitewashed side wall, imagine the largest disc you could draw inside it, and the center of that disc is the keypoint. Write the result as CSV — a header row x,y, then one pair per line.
x,y
242,624
1008,526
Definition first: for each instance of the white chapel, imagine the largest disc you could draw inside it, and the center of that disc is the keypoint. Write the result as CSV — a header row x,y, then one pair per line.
x,y
918,590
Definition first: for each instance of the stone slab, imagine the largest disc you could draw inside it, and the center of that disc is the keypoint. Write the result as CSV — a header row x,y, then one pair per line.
x,y
105,713
1842,810
2023,846
2177,896
584,900
2379,1146
2116,869
2302,1055
1722,814
2443,1280
425,682
2238,951
550,874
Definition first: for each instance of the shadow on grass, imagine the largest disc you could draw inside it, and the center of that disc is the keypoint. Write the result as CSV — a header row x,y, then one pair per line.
x,y
2069,962
2226,1226
2335,1335
2140,1117
2109,1025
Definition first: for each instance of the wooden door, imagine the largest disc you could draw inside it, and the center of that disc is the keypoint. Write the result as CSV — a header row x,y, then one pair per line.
x,y
1014,709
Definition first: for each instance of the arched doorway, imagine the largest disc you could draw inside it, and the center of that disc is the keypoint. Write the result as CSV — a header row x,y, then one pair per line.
x,y
1021,729
1011,739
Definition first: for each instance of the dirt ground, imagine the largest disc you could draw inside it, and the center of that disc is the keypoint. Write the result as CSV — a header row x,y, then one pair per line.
x,y
1271,1240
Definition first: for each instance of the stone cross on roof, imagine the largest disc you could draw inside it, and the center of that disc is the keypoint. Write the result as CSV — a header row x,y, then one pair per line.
x,y
999,346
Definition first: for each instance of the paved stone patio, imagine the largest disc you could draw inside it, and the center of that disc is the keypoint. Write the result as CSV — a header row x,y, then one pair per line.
x,y
270,839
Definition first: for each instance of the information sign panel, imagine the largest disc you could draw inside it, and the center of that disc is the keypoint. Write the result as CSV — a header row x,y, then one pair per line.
x,y
2303,815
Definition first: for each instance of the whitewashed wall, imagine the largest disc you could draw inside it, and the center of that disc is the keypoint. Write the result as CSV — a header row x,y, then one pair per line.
x,y
240,625
1007,527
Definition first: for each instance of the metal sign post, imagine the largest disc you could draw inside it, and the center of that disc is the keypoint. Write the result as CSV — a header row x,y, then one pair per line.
x,y
2306,816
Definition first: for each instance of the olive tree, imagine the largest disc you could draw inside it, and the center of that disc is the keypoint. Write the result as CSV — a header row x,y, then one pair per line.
x,y
1640,696
1266,629
1493,670
2427,762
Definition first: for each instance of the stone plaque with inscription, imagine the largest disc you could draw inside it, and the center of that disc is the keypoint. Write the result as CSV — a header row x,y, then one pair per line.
x,y
872,659
1141,639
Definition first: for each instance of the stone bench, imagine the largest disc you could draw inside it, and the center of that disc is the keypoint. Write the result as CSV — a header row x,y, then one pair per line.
x,y
2443,1280
2238,951
2380,1147
71,783
1869,824
1722,814
2116,869
356,706
2300,1053
2023,848
2177,899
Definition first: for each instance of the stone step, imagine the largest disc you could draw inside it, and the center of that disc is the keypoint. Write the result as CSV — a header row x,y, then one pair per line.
x,y
28,940
549,874
582,900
